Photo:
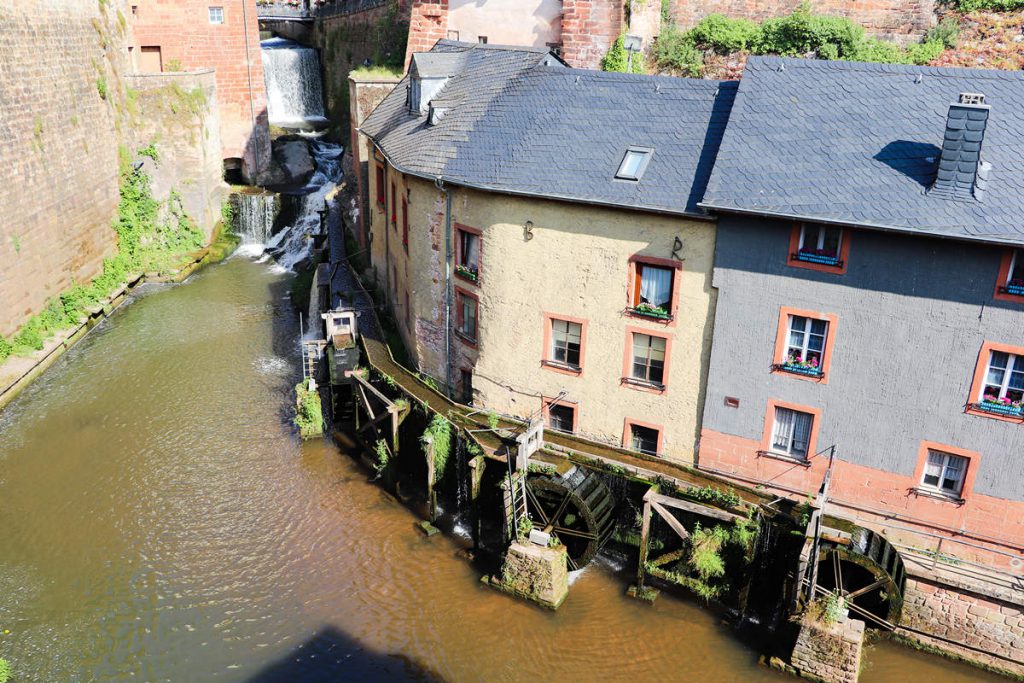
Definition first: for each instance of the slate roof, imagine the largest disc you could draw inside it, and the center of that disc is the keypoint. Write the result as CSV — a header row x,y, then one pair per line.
x,y
859,144
518,122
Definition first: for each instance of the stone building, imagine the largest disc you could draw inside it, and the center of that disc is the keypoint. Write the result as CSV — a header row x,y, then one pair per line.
x,y
190,35
535,231
871,299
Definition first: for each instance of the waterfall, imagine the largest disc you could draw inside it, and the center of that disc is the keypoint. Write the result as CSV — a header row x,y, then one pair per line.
x,y
294,243
256,214
294,89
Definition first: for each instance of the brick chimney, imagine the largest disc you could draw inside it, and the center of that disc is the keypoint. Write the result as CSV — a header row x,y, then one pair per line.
x,y
962,174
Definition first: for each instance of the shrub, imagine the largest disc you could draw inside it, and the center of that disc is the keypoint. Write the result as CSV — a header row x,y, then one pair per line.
x,y
724,35
675,50
309,416
617,58
438,433
101,87
5,671
947,32
5,349
996,5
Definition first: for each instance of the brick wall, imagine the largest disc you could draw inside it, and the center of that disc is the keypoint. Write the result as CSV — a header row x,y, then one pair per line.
x,y
589,27
182,30
58,148
428,23
899,19
992,629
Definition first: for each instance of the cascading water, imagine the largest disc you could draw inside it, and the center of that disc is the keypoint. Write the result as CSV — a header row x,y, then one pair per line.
x,y
294,243
294,89
256,214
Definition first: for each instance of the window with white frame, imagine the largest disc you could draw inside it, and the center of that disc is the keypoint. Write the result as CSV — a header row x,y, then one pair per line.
x,y
566,341
216,15
791,433
944,473
1004,381
648,358
806,346
820,243
634,163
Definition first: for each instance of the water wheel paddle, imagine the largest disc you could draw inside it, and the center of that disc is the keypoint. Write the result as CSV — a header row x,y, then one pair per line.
x,y
576,507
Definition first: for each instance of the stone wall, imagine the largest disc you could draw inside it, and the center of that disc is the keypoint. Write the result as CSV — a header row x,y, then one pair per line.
x,y
589,27
829,653
58,147
978,628
186,39
364,95
898,19
178,114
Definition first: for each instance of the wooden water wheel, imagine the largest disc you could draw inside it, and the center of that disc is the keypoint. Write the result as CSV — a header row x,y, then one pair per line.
x,y
576,507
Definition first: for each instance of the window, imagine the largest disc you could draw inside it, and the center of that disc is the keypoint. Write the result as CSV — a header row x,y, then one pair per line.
x,y
467,253
634,163
466,314
806,348
482,40
466,380
216,15
643,439
381,198
566,342
1003,388
453,35
819,247
1010,285
405,225
394,206
562,418
791,433
151,60
944,473
652,291
648,359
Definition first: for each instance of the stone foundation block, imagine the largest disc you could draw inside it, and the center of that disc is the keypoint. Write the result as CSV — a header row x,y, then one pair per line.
x,y
536,573
829,652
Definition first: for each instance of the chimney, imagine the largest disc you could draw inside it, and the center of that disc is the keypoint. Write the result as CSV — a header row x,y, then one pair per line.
x,y
962,174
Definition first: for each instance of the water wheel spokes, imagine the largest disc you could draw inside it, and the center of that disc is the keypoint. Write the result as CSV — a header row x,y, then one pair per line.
x,y
576,507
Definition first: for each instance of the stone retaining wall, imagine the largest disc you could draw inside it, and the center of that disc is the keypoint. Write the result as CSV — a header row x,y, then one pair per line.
x,y
829,653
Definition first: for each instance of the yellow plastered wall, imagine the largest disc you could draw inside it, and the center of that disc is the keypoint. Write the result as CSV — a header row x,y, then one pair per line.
x,y
577,264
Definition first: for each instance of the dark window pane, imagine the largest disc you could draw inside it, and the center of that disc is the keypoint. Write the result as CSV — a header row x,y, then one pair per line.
x,y
644,439
561,417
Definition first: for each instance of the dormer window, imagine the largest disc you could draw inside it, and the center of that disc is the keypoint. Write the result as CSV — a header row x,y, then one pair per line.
x,y
634,163
428,74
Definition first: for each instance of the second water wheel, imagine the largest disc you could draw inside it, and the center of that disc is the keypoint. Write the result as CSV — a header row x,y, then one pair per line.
x,y
576,507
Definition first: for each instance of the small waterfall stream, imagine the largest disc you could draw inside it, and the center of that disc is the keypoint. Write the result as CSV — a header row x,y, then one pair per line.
x,y
294,88
256,214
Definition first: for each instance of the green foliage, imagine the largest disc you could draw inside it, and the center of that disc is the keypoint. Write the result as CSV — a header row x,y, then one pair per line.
x,y
16,243
309,416
390,35
666,12
429,381
174,65
617,58
800,33
150,151
714,495
541,468
994,5
705,559
6,349
492,420
947,32
227,214
826,610
438,433
5,671
525,527
383,456
101,87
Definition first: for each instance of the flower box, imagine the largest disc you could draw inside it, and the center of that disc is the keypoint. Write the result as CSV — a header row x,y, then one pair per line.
x,y
811,257
801,370
652,312
1016,290
1000,408
467,273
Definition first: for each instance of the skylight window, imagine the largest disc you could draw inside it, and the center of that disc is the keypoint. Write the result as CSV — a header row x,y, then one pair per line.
x,y
634,163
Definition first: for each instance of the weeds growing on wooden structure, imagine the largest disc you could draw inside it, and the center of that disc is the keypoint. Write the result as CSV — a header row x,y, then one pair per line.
x,y
438,433
380,449
309,416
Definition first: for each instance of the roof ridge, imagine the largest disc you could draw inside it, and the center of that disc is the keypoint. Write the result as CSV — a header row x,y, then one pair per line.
x,y
875,67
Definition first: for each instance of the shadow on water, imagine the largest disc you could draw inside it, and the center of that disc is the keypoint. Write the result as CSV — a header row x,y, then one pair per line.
x,y
331,656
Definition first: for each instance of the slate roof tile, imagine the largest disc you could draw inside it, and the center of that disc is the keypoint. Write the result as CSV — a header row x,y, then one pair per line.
x,y
518,123
859,143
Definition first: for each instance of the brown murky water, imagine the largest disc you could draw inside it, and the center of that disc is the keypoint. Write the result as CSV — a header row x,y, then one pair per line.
x,y
160,521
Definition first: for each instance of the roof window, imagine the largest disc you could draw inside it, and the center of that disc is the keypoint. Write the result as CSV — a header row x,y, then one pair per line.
x,y
634,163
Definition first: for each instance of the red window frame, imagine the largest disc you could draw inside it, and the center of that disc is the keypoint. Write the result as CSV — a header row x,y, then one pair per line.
x,y
782,341
627,435
460,295
627,362
844,251
636,264
405,225
978,382
394,206
546,360
1004,274
380,183
460,231
548,401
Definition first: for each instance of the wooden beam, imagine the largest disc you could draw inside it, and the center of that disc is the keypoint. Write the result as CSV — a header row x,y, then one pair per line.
x,y
695,508
645,532
676,525
383,399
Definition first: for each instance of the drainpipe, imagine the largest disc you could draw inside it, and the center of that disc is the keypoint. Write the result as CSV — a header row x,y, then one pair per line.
x,y
447,283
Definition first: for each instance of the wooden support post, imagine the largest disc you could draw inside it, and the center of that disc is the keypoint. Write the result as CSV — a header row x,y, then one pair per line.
x,y
431,494
393,410
355,406
476,475
645,532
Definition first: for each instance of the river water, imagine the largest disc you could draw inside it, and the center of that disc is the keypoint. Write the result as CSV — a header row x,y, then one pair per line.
x,y
161,521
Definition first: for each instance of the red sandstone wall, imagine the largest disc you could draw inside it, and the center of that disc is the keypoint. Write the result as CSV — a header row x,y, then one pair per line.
x,y
893,18
58,149
589,27
182,29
